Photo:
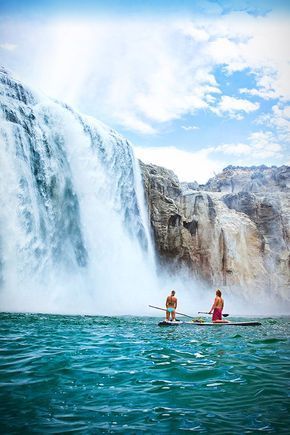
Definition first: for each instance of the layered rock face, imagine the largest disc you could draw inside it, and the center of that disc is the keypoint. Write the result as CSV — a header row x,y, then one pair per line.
x,y
233,231
261,179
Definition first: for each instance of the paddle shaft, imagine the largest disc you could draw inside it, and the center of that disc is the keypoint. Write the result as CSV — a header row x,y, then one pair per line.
x,y
204,312
163,309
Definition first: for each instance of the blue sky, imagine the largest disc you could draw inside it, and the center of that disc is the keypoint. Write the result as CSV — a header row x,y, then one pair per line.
x,y
136,6
195,85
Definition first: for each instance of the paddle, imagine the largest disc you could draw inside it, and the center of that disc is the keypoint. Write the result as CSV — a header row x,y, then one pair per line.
x,y
203,312
163,309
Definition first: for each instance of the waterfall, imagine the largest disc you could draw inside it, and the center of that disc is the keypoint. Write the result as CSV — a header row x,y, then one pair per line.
x,y
74,231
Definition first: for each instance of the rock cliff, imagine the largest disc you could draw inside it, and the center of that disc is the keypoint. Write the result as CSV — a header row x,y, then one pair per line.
x,y
233,231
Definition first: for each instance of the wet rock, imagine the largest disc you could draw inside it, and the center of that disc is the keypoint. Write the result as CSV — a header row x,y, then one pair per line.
x,y
232,231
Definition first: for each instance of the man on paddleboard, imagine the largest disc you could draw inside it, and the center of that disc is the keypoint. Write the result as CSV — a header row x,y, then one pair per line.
x,y
217,308
171,305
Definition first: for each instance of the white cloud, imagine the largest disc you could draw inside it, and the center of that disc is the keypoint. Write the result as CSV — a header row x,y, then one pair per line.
x,y
189,127
144,72
234,107
266,94
279,120
133,73
261,145
234,149
195,33
256,43
7,46
131,122
188,166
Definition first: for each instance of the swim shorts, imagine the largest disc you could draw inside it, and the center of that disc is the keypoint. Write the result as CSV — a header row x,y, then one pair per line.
x,y
217,314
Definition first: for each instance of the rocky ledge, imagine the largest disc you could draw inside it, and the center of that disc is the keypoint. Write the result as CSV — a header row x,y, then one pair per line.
x,y
232,231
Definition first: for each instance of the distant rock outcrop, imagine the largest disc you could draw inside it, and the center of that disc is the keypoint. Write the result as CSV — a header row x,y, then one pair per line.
x,y
255,179
234,230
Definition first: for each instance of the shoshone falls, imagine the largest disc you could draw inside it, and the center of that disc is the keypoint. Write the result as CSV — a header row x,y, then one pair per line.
x,y
88,238
77,237
75,233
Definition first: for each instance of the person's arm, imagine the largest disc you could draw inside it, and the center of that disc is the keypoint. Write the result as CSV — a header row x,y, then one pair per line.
x,y
167,302
175,303
213,306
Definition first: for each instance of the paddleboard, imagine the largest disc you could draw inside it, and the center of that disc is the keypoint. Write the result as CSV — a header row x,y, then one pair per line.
x,y
168,323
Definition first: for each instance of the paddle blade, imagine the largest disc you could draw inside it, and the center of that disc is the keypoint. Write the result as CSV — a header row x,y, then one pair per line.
x,y
204,312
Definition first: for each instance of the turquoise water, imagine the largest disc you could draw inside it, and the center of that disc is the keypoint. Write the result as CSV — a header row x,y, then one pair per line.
x,y
63,374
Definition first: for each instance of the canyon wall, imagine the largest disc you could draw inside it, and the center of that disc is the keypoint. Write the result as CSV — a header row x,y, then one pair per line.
x,y
233,231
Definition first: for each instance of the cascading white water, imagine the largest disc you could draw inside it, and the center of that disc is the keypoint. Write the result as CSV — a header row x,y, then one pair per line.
x,y
74,234
74,230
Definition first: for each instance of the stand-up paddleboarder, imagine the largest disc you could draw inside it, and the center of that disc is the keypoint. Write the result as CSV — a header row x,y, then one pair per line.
x,y
217,308
171,305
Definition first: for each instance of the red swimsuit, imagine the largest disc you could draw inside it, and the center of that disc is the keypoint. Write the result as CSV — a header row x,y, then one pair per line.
x,y
217,314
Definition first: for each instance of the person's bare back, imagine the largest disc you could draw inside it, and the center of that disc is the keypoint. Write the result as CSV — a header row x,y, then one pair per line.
x,y
219,302
171,305
171,301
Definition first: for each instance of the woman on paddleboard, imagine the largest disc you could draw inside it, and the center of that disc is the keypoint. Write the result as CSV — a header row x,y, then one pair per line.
x,y
217,308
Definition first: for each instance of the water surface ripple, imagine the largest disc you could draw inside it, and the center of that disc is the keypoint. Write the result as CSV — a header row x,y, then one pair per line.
x,y
63,374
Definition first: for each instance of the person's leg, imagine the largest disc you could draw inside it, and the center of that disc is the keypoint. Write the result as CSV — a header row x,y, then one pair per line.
x,y
173,315
167,315
221,321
